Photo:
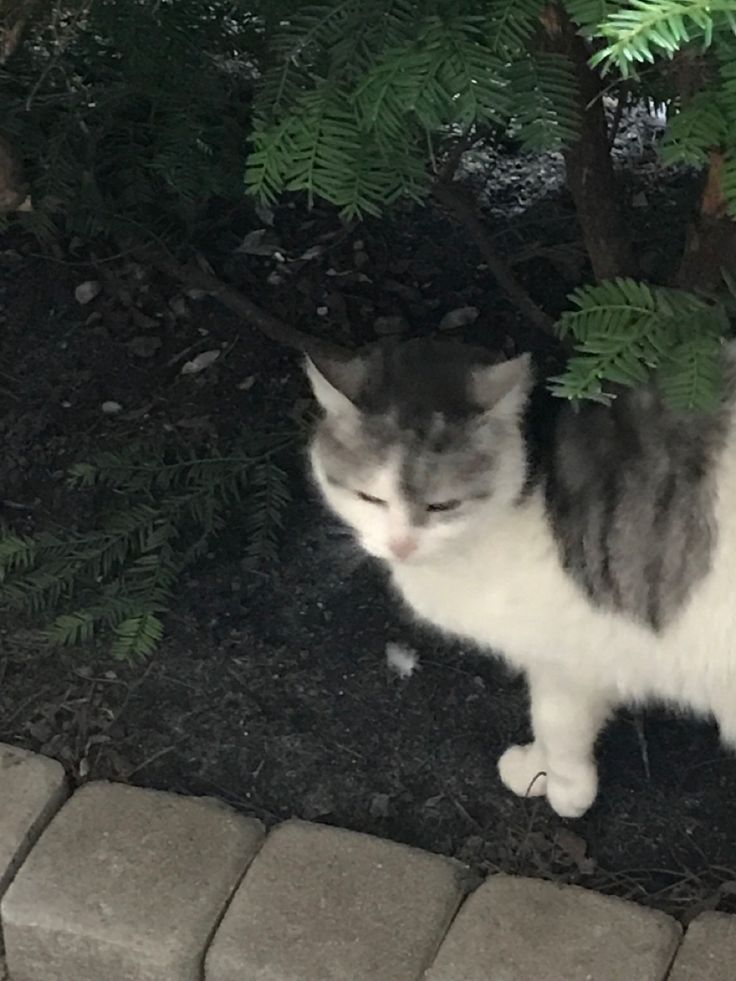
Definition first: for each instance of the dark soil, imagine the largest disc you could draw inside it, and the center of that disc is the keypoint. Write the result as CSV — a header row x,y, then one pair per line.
x,y
272,689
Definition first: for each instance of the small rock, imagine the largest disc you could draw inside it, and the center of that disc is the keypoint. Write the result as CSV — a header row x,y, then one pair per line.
x,y
87,291
380,805
111,408
179,307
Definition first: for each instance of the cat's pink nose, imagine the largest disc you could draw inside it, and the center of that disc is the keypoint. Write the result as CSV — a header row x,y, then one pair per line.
x,y
402,548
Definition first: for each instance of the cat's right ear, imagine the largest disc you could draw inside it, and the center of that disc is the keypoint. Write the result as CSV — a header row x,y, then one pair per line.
x,y
336,383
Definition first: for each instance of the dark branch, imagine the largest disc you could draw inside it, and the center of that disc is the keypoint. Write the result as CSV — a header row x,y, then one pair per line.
x,y
193,276
461,208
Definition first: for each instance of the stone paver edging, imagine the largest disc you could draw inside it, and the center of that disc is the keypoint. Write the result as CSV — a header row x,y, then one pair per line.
x,y
118,883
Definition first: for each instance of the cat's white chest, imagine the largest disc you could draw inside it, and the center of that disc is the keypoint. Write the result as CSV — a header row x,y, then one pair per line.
x,y
504,591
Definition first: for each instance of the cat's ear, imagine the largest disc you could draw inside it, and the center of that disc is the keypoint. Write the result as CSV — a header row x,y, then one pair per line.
x,y
503,389
336,383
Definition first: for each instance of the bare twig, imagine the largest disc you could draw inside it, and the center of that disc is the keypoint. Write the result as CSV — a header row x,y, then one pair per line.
x,y
458,204
193,276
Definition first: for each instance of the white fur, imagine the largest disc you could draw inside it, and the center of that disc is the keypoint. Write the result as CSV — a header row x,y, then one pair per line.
x,y
402,660
494,577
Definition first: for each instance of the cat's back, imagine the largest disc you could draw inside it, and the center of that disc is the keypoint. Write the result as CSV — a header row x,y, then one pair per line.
x,y
630,495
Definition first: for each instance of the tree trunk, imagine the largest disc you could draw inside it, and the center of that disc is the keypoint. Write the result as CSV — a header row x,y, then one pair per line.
x,y
590,176
710,246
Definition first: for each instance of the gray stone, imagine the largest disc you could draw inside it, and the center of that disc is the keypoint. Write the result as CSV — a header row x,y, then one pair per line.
x,y
324,904
32,789
514,929
708,952
125,885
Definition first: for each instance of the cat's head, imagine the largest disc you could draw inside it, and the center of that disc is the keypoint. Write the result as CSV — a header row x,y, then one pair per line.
x,y
418,444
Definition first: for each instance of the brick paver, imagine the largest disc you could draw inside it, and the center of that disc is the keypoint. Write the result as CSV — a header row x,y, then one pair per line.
x,y
324,904
32,789
708,952
125,885
514,929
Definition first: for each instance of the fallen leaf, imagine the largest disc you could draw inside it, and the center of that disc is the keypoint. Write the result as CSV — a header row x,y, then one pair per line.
x,y
202,361
264,213
459,318
259,242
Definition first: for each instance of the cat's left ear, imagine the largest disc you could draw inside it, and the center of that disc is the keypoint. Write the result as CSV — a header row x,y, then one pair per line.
x,y
502,389
336,383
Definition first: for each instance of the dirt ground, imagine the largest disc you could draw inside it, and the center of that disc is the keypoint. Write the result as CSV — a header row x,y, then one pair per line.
x,y
271,689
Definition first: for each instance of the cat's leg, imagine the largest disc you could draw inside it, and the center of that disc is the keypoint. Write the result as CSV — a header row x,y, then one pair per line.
x,y
566,719
726,718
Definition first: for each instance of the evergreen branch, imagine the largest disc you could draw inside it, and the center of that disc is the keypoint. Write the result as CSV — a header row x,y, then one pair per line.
x,y
695,130
624,330
164,514
648,27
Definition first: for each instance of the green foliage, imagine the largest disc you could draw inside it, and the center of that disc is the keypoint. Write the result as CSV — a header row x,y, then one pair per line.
x,y
133,116
161,509
360,90
642,29
699,128
624,331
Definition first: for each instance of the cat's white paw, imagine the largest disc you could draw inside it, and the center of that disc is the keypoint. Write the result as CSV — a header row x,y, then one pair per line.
x,y
572,794
522,770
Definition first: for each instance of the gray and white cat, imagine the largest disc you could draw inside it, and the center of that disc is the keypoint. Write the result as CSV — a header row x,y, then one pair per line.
x,y
595,549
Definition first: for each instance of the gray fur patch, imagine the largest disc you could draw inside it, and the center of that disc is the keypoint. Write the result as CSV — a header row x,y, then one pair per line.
x,y
416,399
630,497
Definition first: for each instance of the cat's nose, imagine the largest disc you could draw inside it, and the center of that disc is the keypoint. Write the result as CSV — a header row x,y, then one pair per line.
x,y
402,548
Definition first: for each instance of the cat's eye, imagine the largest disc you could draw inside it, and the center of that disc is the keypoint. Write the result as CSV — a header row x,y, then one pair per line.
x,y
369,499
452,505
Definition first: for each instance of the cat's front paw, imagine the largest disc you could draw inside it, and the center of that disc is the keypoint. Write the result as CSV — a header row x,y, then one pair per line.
x,y
571,794
523,770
